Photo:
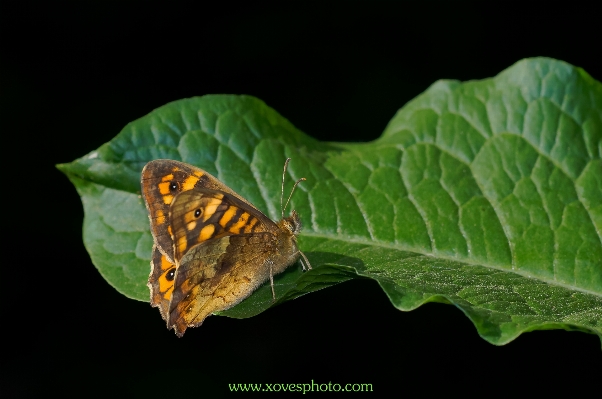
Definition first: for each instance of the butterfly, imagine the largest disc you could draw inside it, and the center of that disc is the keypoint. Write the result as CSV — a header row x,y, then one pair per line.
x,y
212,248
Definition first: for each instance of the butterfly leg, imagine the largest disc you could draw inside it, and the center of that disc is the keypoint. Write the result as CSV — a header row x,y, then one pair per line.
x,y
306,265
272,280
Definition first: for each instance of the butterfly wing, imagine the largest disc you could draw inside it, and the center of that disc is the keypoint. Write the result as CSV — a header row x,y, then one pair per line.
x,y
218,274
162,180
203,214
160,281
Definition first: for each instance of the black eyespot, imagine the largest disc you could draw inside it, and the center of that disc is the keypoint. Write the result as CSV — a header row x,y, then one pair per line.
x,y
170,275
198,213
173,186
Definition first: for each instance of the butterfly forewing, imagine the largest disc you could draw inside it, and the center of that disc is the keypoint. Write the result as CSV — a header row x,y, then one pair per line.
x,y
162,180
202,214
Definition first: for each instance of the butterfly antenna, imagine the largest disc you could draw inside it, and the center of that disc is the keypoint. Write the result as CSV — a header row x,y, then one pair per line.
x,y
282,189
292,191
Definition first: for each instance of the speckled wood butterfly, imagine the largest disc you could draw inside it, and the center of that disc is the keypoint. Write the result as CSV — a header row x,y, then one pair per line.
x,y
212,248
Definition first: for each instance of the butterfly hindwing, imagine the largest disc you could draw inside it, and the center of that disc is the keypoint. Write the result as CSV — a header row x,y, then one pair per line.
x,y
161,281
217,275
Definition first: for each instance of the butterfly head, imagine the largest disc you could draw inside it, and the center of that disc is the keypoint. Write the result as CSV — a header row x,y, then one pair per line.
x,y
291,223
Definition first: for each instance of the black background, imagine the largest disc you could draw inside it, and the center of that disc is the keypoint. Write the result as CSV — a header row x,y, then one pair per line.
x,y
73,74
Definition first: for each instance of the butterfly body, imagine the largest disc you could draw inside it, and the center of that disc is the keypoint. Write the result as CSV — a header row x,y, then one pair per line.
x,y
212,248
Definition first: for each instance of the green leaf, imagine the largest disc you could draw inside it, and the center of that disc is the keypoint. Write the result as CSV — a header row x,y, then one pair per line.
x,y
484,194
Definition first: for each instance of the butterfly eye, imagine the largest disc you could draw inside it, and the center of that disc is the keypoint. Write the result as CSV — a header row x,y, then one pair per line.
x,y
198,213
173,186
170,274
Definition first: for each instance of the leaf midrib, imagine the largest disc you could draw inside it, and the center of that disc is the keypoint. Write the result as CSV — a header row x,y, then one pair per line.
x,y
382,244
